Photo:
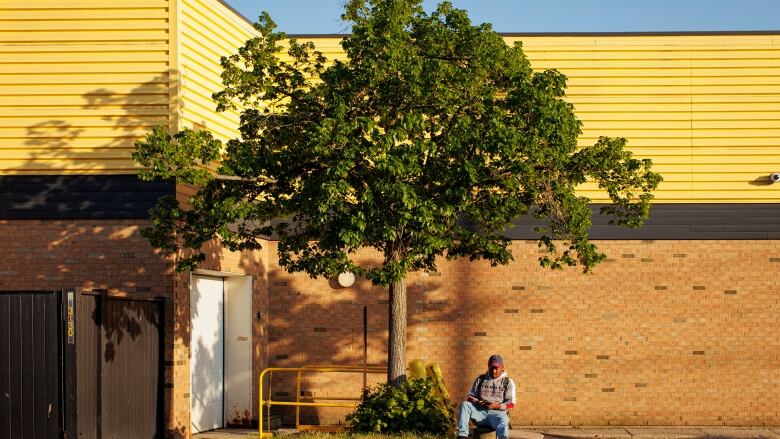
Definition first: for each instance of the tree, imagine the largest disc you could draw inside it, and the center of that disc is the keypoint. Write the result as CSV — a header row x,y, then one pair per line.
x,y
427,141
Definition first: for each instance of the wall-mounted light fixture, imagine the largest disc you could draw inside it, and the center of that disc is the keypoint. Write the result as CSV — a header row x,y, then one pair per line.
x,y
346,279
774,177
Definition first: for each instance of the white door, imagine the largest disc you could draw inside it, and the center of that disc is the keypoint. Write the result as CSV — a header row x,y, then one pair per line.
x,y
207,352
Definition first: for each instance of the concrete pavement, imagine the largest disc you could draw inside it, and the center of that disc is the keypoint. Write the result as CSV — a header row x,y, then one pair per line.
x,y
581,433
629,432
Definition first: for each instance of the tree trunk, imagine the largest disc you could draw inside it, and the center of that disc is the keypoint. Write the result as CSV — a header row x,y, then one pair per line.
x,y
396,340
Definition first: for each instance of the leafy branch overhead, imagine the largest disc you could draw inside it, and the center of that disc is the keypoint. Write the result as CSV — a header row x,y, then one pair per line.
x,y
428,139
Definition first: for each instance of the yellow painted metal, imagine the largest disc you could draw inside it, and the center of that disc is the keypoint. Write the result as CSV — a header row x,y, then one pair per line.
x,y
298,398
708,100
327,398
209,31
695,104
433,370
417,368
314,404
77,89
330,368
298,403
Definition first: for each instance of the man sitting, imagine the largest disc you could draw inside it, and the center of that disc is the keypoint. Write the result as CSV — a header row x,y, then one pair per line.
x,y
491,396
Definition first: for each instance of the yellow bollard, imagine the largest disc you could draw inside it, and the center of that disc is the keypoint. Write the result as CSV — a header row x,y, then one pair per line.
x,y
434,371
417,369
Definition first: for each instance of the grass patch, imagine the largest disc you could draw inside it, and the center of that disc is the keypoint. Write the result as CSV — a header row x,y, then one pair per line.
x,y
315,435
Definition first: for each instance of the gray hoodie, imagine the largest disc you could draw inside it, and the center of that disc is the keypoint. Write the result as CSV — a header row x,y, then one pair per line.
x,y
500,390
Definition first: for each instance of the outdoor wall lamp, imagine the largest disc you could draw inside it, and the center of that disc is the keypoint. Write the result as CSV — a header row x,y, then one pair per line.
x,y
346,279
774,177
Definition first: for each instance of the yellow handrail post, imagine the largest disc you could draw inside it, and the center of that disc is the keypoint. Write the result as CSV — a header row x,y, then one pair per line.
x,y
434,371
298,403
298,399
260,408
270,390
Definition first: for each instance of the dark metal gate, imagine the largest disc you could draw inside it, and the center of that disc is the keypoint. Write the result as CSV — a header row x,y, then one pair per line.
x,y
30,350
120,377
80,365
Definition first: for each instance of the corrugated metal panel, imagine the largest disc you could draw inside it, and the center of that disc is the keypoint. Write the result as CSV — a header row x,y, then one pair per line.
x,y
80,81
77,88
29,365
209,31
705,108
131,374
88,349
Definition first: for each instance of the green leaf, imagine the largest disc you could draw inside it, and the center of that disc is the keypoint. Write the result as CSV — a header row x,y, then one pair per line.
x,y
428,140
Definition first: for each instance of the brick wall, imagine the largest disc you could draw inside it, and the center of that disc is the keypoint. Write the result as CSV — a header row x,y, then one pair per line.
x,y
663,332
92,254
98,255
254,263
218,259
111,255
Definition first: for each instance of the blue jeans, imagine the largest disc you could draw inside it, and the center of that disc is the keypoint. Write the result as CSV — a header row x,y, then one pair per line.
x,y
495,419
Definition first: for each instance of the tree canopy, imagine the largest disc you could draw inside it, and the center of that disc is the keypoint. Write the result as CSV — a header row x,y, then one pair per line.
x,y
427,140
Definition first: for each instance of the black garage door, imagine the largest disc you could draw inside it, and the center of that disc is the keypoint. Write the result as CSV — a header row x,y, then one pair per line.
x,y
119,344
80,362
30,358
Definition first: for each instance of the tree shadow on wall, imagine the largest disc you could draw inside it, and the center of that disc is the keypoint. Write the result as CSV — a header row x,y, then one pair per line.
x,y
311,322
94,243
95,135
318,322
100,132
202,352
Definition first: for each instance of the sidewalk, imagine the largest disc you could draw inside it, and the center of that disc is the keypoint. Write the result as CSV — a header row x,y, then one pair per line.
x,y
647,432
585,433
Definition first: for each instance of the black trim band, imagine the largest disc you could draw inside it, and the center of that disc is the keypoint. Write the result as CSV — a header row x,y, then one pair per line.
x,y
79,196
682,221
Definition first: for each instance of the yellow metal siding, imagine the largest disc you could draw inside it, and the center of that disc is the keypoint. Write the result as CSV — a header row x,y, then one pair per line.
x,y
209,31
80,81
706,109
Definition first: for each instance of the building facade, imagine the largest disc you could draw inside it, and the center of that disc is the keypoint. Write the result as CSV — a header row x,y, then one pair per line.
x,y
678,327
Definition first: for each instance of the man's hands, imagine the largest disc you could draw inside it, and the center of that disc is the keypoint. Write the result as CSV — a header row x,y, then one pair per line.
x,y
485,404
490,405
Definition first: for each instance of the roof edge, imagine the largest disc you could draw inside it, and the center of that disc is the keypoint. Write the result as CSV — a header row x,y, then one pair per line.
x,y
235,11
547,34
588,34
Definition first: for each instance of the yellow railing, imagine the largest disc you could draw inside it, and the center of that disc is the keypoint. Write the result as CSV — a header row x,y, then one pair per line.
x,y
298,403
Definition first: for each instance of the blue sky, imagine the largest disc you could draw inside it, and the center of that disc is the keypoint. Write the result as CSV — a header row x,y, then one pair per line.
x,y
322,16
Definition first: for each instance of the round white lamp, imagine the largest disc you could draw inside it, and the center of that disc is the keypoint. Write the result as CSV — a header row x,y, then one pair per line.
x,y
346,279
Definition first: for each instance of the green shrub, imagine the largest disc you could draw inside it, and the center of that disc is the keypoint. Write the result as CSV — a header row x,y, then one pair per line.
x,y
411,407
